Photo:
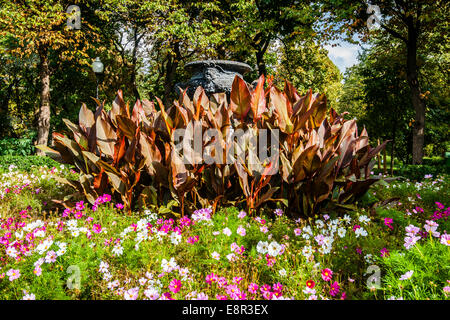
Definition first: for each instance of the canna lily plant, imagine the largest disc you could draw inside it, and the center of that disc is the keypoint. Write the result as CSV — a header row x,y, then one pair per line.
x,y
318,159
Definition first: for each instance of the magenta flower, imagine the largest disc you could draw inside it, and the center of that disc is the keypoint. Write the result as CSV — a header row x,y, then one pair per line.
x,y
234,291
221,297
119,206
97,228
166,296
334,288
297,231
277,288
237,280
267,295
384,252
440,205
388,222
327,274
80,205
175,285
210,278
253,288
78,215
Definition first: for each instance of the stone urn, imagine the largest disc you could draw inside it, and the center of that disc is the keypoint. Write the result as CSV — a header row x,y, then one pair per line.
x,y
213,75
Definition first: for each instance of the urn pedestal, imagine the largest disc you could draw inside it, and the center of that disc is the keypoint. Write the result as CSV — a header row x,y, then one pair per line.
x,y
213,75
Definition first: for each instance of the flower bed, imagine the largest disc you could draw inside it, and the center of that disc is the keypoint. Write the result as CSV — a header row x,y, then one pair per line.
x,y
399,251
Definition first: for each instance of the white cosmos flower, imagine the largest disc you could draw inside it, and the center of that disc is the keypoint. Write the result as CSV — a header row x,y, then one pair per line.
x,y
262,247
274,248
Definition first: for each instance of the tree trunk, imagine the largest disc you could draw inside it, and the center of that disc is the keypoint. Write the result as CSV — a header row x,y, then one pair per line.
x,y
134,62
261,49
394,131
417,102
44,110
261,63
171,69
4,123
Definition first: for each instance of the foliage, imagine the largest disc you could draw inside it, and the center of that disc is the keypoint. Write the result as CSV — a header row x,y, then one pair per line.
x,y
132,154
428,261
26,163
419,172
138,256
14,146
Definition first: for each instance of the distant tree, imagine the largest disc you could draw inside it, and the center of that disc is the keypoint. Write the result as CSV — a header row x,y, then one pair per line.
x,y
415,23
307,65
35,27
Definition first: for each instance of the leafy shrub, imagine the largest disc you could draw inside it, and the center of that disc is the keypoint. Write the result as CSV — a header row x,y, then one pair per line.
x,y
25,163
430,272
133,154
17,146
418,172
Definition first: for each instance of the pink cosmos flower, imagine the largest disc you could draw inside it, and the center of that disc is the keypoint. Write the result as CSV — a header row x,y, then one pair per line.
x,y
13,274
192,240
236,280
253,288
384,252
97,228
445,239
166,296
440,205
37,271
78,215
131,294
50,257
242,214
297,231
175,285
241,231
221,297
79,205
119,206
222,282
343,296
210,278
267,295
327,274
278,212
388,222
334,288
233,290
277,288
